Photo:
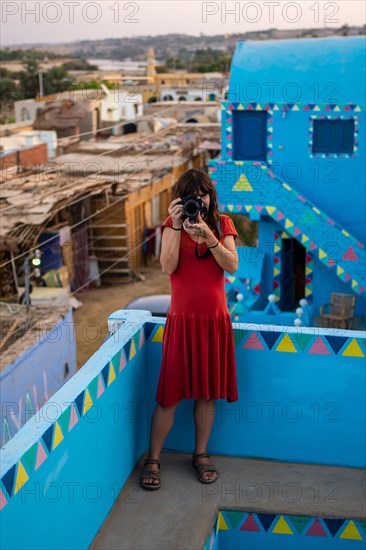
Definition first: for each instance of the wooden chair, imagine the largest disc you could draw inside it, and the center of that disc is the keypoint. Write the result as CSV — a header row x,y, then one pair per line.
x,y
339,313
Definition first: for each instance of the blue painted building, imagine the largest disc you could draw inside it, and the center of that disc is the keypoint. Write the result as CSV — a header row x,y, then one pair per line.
x,y
293,159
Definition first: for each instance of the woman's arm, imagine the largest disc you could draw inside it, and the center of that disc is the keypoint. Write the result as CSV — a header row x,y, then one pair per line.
x,y
169,255
225,254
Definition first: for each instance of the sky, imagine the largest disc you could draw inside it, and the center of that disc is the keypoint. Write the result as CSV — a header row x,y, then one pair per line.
x,y
54,21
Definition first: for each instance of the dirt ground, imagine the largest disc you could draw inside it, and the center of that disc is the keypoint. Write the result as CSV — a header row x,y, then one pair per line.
x,y
98,303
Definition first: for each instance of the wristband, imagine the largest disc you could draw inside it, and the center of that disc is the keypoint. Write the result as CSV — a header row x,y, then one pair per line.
x,y
176,228
214,244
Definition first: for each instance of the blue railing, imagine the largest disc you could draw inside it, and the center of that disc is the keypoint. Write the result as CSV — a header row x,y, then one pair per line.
x,y
301,399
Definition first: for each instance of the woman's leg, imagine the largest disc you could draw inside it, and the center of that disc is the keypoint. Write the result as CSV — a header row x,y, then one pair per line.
x,y
161,423
204,414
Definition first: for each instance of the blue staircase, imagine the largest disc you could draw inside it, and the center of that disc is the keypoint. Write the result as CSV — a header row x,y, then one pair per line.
x,y
251,188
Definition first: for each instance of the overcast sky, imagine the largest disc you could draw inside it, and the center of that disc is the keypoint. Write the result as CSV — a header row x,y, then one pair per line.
x,y
69,20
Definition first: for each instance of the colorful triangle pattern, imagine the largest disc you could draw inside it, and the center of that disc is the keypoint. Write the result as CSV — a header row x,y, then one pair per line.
x,y
18,475
285,525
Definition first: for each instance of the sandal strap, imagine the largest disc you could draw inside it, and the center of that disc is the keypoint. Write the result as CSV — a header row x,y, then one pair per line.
x,y
200,455
152,461
206,468
150,474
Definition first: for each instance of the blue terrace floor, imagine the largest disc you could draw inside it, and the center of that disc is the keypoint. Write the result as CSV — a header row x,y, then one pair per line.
x,y
182,513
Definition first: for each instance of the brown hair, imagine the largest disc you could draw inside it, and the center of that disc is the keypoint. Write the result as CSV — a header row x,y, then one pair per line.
x,y
197,181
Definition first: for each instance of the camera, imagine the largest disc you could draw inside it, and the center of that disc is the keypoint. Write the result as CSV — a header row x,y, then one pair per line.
x,y
192,206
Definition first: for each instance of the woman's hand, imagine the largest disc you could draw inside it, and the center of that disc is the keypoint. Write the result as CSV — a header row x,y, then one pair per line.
x,y
176,212
199,229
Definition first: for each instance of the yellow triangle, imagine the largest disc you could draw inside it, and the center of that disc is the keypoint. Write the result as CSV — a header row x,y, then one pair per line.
x,y
354,283
288,224
277,248
270,209
351,532
304,238
112,374
340,270
158,337
308,291
231,279
240,108
285,235
322,254
295,108
275,271
242,184
336,108
230,207
58,437
308,271
221,524
316,210
353,349
132,349
282,527
286,345
357,109
87,401
22,477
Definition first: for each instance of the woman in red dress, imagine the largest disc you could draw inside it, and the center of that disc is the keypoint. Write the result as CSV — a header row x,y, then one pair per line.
x,y
198,358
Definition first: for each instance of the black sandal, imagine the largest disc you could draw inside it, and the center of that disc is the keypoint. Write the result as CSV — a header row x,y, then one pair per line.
x,y
202,468
148,474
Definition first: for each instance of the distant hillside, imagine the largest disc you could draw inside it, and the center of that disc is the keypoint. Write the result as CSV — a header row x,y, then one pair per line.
x,y
180,46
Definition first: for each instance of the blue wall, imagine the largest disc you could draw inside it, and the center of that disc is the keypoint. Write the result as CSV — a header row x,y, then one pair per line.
x,y
28,382
316,72
301,399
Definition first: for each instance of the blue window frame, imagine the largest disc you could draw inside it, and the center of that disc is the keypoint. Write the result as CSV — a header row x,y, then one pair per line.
x,y
333,136
250,135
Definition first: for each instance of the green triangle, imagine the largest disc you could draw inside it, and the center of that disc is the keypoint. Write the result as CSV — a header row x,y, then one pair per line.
x,y
29,458
235,518
298,522
239,335
93,388
242,184
308,218
362,523
117,358
302,340
64,419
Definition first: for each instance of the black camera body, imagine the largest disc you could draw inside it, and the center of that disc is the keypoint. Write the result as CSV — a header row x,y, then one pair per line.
x,y
192,206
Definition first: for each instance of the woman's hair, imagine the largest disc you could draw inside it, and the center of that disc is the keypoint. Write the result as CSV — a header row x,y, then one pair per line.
x,y
194,181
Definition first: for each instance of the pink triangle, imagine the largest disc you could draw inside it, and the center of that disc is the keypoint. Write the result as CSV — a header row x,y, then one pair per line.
x,y
3,501
350,255
348,276
331,262
100,387
73,418
257,289
122,362
279,215
330,221
259,208
361,289
41,455
316,530
239,207
301,198
297,231
312,245
276,236
141,342
276,284
276,260
319,347
250,524
253,342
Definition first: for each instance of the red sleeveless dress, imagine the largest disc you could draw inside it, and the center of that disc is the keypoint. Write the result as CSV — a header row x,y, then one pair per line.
x,y
198,355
